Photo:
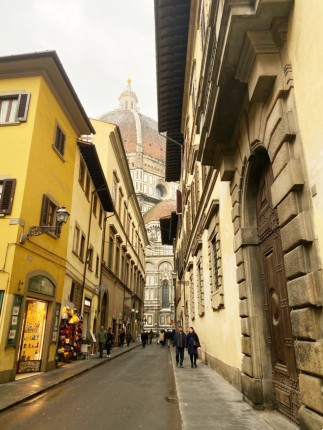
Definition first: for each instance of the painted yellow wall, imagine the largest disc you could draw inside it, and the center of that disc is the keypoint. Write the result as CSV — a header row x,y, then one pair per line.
x,y
28,156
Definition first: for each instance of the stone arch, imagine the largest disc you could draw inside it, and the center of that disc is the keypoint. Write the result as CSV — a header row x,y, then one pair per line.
x,y
280,144
256,363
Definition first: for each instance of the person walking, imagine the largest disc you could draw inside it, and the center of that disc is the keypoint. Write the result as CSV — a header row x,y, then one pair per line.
x,y
143,338
101,338
128,337
121,337
151,336
162,338
193,343
110,340
180,343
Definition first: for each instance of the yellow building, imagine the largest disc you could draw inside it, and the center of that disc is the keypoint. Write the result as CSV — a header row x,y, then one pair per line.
x,y
40,120
125,239
243,100
90,204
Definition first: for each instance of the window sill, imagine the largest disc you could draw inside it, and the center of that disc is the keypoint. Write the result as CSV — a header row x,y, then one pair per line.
x,y
4,124
61,156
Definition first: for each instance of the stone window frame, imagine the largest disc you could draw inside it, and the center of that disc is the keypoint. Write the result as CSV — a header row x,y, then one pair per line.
x,y
200,285
212,225
192,295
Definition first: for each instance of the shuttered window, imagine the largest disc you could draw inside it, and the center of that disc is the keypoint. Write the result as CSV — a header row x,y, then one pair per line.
x,y
48,214
14,108
59,143
7,190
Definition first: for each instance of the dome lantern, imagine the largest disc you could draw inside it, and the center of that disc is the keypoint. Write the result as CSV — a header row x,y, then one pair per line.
x,y
128,99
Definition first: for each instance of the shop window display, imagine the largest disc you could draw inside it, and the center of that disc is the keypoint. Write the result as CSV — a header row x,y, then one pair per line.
x,y
33,336
70,336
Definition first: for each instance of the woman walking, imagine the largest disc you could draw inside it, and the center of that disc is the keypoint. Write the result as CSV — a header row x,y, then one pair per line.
x,y
193,343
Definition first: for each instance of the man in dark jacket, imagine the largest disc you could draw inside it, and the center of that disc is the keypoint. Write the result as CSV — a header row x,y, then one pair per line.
x,y
180,343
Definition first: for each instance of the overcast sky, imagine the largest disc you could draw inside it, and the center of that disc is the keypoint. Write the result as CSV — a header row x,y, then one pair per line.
x,y
99,42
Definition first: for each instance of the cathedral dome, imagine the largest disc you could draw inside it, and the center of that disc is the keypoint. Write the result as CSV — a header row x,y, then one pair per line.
x,y
162,209
138,131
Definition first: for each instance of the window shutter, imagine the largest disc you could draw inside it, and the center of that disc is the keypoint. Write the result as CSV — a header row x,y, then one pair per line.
x,y
44,211
23,104
6,199
179,205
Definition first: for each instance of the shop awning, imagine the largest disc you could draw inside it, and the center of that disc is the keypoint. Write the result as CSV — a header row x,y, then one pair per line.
x,y
93,164
171,24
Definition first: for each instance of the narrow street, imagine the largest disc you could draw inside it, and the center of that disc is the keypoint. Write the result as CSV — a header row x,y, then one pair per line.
x,y
129,392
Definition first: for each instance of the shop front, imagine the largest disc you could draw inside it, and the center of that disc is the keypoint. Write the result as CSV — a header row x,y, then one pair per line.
x,y
33,345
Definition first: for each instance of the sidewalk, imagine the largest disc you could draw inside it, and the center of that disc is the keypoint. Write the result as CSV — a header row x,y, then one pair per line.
x,y
207,401
21,390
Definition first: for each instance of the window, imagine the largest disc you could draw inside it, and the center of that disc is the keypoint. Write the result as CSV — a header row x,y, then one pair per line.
x,y
215,259
97,265
111,248
192,297
120,202
89,259
7,190
1,299
14,108
82,247
82,173
76,240
200,288
214,263
193,86
87,186
165,294
48,214
117,260
202,26
59,143
95,204
100,216
114,188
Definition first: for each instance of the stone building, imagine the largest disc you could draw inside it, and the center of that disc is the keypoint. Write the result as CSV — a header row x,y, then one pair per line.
x,y
146,151
245,95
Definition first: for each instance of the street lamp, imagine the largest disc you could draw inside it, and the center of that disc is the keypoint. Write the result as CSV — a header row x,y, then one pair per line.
x,y
36,230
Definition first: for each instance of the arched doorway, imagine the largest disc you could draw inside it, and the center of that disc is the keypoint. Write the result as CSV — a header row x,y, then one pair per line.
x,y
280,338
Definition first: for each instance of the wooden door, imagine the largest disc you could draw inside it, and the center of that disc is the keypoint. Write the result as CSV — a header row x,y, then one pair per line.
x,y
280,339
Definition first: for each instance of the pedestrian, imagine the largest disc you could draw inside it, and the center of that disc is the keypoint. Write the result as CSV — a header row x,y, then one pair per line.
x,y
151,336
143,338
162,337
128,337
180,343
101,338
168,338
146,337
121,337
110,340
193,343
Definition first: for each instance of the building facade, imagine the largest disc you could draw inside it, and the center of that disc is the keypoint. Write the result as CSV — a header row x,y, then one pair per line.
x,y
41,119
121,296
146,151
91,204
248,246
